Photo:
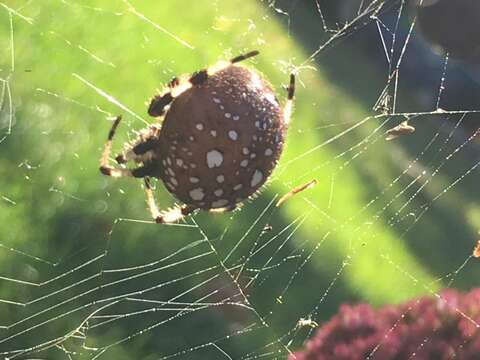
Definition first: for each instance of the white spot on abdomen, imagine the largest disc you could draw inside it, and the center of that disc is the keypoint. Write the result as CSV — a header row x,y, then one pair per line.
x,y
256,178
232,134
197,194
214,158
268,152
218,192
194,180
220,179
199,126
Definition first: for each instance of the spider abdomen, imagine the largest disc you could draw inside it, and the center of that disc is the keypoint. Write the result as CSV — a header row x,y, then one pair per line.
x,y
221,140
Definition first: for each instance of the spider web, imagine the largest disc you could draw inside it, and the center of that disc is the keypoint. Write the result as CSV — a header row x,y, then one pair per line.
x,y
86,275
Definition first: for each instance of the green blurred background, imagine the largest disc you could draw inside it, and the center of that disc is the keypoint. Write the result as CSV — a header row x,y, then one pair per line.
x,y
85,273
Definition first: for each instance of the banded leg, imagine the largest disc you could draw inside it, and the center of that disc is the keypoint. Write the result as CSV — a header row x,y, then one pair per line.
x,y
137,150
158,103
108,170
244,56
174,82
224,209
165,217
178,86
201,76
287,110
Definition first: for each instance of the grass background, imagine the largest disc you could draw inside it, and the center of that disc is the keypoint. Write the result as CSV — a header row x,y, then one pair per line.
x,y
58,212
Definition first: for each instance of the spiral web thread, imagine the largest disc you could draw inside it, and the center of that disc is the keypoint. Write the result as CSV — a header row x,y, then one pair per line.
x,y
229,293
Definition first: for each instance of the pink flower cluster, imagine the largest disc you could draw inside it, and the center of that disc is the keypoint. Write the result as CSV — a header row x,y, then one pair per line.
x,y
440,328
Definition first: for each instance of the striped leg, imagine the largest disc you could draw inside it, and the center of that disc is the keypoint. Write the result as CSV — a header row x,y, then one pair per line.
x,y
165,217
108,170
138,150
201,76
287,110
244,56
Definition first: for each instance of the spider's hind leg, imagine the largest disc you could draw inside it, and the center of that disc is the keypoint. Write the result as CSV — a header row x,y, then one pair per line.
x,y
165,217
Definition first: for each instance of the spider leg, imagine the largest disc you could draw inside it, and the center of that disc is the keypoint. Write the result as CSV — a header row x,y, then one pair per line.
x,y
108,170
287,110
224,209
158,103
177,86
139,172
165,217
244,56
105,168
201,76
139,149
174,82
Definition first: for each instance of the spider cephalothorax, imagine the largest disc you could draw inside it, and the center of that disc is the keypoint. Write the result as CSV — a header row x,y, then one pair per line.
x,y
222,134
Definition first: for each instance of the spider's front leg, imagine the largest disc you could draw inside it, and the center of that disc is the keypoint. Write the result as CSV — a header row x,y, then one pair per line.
x,y
105,168
165,217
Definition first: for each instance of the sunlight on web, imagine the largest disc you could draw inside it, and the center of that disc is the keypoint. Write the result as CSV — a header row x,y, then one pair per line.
x,y
101,280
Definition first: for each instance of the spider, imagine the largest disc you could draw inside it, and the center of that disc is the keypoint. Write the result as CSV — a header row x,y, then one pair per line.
x,y
222,132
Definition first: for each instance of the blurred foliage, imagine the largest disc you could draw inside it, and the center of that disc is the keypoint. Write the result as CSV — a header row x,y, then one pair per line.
x,y
58,212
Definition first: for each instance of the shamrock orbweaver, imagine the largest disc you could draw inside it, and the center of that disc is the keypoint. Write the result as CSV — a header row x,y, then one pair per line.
x,y
221,135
